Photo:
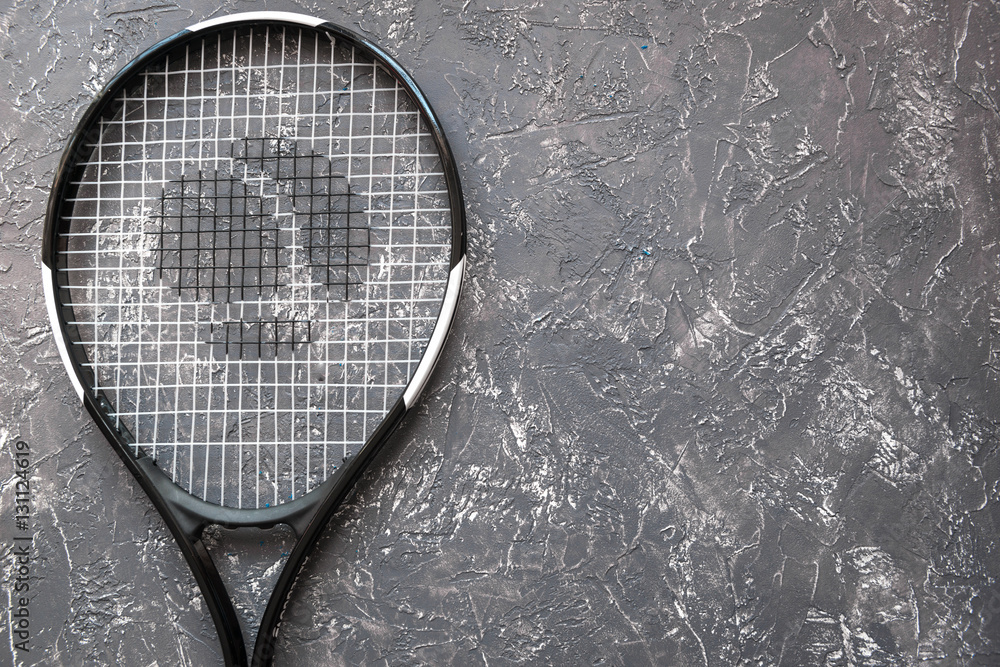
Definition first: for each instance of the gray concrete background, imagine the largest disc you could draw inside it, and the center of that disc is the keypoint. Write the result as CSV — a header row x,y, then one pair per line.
x,y
724,385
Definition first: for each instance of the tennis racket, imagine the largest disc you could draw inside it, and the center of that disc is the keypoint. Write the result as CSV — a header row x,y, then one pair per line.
x,y
253,253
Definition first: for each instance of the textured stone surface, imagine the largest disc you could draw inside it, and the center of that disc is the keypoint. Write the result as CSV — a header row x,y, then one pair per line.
x,y
724,390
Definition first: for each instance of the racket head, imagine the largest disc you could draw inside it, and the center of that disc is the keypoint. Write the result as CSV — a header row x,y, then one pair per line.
x,y
274,232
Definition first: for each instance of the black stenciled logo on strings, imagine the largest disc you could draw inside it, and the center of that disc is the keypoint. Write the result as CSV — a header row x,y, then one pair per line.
x,y
243,234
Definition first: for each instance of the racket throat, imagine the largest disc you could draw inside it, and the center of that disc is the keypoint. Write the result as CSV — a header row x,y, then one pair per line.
x,y
193,515
188,518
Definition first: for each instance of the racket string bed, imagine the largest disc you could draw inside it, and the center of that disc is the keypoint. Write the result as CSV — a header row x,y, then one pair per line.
x,y
253,252
259,248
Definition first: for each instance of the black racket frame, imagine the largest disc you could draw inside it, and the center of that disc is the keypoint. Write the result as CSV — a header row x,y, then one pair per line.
x,y
185,515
